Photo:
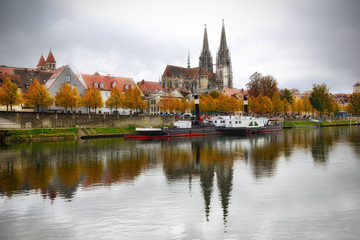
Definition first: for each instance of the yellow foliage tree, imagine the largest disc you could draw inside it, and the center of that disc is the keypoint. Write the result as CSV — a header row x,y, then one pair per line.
x,y
308,108
267,106
9,94
133,99
116,99
68,96
168,103
278,105
184,105
37,96
287,106
93,99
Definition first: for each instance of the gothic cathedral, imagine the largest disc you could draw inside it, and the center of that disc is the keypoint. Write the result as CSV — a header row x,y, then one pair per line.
x,y
202,78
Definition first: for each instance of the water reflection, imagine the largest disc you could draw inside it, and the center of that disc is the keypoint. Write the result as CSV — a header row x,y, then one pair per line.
x,y
59,169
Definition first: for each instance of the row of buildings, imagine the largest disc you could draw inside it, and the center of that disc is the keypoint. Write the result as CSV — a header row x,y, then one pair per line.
x,y
177,81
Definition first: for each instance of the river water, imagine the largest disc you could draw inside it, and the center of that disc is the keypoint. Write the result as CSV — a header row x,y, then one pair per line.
x,y
296,184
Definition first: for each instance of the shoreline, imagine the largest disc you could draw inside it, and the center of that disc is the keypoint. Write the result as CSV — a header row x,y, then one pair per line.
x,y
13,136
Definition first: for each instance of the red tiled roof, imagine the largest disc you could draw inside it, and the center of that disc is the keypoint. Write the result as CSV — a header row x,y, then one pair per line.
x,y
41,61
121,82
50,58
14,78
234,91
150,87
6,70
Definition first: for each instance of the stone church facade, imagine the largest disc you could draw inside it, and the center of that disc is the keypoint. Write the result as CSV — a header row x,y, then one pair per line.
x,y
202,78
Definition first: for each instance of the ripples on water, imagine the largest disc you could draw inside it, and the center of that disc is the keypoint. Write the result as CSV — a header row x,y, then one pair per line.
x,y
301,184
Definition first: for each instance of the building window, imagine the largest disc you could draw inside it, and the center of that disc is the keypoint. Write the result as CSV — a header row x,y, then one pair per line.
x,y
101,85
68,78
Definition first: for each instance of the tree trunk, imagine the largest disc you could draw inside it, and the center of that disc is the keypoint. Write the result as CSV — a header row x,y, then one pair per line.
x,y
7,108
38,108
11,107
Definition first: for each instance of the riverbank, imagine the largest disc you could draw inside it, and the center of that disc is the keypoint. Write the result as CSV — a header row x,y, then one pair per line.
x,y
316,123
60,134
76,133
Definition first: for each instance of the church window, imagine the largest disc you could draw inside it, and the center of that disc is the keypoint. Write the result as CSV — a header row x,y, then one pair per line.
x,y
68,78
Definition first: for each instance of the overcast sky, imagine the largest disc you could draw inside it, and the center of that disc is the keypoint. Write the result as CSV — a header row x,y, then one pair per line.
x,y
300,43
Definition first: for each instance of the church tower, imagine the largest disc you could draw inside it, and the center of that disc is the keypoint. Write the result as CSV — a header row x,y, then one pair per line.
x,y
205,59
41,64
223,63
50,62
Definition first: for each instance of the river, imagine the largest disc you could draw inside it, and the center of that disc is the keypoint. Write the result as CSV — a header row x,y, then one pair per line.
x,y
296,184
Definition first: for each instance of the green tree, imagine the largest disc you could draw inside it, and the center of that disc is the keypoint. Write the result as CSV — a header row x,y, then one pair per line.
x,y
9,94
320,98
287,95
214,94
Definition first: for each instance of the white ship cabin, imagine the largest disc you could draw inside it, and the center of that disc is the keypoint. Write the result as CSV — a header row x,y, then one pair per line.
x,y
182,124
238,122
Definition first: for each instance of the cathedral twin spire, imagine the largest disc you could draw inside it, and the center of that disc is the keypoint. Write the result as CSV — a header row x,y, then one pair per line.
x,y
205,62
223,60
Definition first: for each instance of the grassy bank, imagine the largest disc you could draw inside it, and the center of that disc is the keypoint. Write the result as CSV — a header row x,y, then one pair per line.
x,y
338,123
111,130
28,135
290,124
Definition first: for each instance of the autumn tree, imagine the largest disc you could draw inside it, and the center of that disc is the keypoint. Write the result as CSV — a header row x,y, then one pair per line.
x,y
278,105
287,106
116,99
68,96
266,85
184,105
308,108
133,99
355,103
254,84
320,98
9,94
92,99
267,105
37,96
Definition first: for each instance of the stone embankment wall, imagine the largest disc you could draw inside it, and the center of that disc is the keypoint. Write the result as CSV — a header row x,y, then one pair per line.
x,y
16,120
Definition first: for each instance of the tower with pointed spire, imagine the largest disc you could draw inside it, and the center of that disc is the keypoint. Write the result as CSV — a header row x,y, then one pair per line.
x,y
50,64
41,64
224,75
205,59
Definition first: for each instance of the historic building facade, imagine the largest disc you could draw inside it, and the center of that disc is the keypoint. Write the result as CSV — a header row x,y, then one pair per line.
x,y
202,78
